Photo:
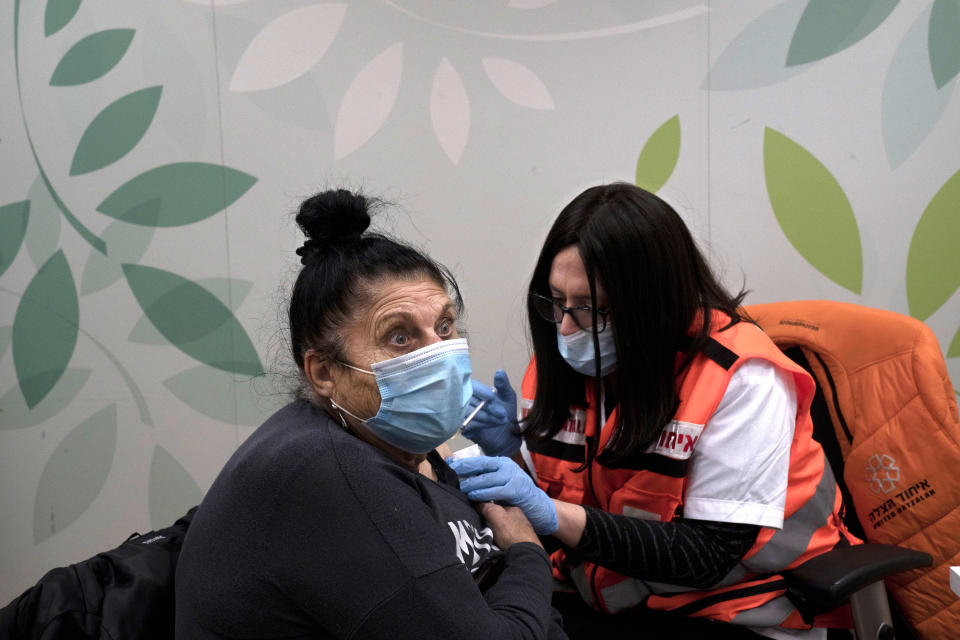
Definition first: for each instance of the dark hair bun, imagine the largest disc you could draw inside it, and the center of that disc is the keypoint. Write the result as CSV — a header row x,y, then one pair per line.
x,y
332,218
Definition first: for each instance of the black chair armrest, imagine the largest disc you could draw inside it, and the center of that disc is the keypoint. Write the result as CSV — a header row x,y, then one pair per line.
x,y
830,579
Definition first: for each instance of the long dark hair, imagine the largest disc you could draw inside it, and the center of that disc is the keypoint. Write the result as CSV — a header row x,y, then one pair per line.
x,y
340,260
657,284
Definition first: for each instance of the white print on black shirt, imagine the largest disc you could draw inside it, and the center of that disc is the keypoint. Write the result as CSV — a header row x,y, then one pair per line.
x,y
472,545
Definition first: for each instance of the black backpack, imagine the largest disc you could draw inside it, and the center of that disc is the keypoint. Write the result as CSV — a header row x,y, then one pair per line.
x,y
126,593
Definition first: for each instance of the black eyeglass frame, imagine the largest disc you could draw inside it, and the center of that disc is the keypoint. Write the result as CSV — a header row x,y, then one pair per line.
x,y
557,307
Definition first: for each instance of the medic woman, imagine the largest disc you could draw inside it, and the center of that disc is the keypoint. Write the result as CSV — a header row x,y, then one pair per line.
x,y
670,439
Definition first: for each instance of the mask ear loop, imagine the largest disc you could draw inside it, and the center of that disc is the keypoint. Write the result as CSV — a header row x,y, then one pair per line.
x,y
343,420
344,410
341,410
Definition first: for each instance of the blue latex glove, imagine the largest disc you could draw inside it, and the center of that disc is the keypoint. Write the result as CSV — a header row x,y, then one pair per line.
x,y
501,479
495,426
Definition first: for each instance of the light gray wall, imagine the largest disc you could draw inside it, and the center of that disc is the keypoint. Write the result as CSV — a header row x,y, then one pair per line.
x,y
812,146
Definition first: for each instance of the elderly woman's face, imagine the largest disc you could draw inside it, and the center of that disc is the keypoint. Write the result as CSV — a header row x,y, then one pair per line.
x,y
403,315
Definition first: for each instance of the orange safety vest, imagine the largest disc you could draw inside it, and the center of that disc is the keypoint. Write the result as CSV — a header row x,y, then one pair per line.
x,y
653,487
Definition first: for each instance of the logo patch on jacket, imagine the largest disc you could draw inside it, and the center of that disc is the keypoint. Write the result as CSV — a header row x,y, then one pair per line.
x,y
677,440
882,473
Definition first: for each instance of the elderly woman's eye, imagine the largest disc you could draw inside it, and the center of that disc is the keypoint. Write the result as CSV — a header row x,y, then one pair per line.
x,y
399,338
445,328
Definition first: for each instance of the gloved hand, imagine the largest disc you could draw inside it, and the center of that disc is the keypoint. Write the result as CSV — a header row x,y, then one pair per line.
x,y
502,480
495,426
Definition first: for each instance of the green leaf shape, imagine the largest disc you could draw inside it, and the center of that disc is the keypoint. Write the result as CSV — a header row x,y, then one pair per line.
x,y
75,473
176,194
221,396
13,228
231,292
828,27
116,130
172,491
5,333
659,156
127,242
933,261
813,210
43,227
193,320
17,415
58,14
943,41
954,350
92,57
45,329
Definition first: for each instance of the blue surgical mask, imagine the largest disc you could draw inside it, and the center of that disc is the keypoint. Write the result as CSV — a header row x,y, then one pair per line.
x,y
424,396
577,350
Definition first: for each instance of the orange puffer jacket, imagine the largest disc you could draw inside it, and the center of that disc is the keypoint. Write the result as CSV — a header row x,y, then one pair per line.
x,y
895,416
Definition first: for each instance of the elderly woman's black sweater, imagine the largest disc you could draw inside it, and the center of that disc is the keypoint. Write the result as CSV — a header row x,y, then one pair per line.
x,y
309,532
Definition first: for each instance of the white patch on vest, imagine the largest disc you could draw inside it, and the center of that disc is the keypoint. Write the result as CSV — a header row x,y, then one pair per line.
x,y
524,408
572,431
677,440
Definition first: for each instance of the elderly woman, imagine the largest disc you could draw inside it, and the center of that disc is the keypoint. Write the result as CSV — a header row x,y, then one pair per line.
x,y
337,518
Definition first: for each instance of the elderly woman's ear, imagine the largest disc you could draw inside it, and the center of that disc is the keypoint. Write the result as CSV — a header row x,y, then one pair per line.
x,y
317,371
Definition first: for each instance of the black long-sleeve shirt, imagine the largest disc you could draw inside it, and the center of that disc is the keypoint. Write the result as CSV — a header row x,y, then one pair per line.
x,y
690,553
309,532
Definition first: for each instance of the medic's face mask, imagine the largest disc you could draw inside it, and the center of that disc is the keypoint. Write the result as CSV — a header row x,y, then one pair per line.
x,y
577,350
424,396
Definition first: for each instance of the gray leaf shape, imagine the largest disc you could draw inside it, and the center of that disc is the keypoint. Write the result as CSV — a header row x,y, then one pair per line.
x,y
128,242
911,105
828,27
222,396
172,490
75,474
757,56
43,227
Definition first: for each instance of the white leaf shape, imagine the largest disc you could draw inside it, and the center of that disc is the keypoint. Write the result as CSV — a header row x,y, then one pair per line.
x,y
450,111
529,4
287,47
368,101
517,83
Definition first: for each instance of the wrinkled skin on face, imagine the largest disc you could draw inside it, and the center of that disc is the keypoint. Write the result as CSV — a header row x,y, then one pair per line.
x,y
399,315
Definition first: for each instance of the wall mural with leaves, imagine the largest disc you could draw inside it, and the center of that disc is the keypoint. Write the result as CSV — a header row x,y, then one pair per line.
x,y
153,156
46,324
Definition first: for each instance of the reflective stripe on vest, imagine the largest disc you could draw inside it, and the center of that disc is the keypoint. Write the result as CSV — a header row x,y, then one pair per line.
x,y
580,580
769,614
786,545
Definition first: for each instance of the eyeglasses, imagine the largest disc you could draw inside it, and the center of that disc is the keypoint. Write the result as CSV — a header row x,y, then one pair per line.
x,y
551,310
